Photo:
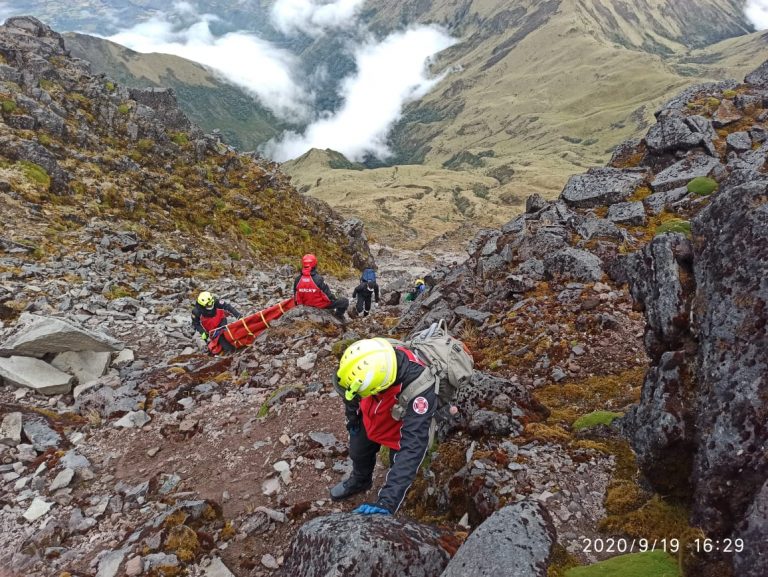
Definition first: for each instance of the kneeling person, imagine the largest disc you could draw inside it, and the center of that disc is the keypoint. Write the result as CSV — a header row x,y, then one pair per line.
x,y
210,313
372,375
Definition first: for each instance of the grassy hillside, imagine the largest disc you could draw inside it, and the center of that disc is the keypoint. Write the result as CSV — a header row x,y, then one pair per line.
x,y
208,101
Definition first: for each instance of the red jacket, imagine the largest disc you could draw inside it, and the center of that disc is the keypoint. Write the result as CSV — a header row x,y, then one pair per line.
x,y
307,292
376,410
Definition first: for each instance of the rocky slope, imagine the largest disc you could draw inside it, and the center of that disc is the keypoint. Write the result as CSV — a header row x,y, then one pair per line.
x,y
77,147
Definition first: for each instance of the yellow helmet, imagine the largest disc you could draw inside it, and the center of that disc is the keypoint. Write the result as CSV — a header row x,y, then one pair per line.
x,y
419,281
205,299
367,367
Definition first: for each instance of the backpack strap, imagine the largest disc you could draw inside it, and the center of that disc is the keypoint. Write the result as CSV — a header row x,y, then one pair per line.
x,y
425,381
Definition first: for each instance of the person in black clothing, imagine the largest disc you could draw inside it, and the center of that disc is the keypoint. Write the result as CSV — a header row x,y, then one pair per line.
x,y
210,313
372,375
310,289
364,292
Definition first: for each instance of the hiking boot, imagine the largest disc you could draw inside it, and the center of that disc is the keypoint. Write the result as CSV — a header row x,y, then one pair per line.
x,y
350,487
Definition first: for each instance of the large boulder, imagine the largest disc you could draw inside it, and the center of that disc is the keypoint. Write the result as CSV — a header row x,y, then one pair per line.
x,y
601,186
34,374
731,306
86,366
681,173
53,335
573,263
753,560
674,132
351,545
515,541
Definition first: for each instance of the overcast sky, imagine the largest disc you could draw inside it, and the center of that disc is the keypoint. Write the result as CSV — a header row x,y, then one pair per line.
x,y
390,71
757,12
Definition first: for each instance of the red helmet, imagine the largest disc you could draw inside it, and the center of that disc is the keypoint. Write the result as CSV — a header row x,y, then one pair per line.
x,y
309,261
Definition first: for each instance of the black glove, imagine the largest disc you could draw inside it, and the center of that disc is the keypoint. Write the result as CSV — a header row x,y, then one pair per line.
x,y
354,421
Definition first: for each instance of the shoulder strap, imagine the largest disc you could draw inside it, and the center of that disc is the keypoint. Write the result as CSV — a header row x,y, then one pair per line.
x,y
425,381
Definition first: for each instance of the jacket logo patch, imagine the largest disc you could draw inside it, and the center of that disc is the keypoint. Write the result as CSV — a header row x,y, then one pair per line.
x,y
420,405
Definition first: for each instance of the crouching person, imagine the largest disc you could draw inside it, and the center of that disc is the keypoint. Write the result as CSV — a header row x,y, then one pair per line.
x,y
373,379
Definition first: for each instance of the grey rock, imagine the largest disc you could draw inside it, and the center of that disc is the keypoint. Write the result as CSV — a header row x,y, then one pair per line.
x,y
325,440
671,132
681,173
515,541
739,141
346,544
486,422
109,563
307,362
601,186
63,479
477,317
133,419
216,568
589,228
679,102
655,275
535,203
78,523
629,213
108,401
759,76
34,374
660,427
573,263
38,508
73,460
657,202
726,114
731,271
159,560
86,366
753,560
10,429
53,335
40,434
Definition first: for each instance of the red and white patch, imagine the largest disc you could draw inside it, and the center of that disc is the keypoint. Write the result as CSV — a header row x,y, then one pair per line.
x,y
420,405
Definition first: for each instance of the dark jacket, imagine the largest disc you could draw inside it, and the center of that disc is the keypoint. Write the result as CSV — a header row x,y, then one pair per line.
x,y
363,290
199,313
407,439
319,282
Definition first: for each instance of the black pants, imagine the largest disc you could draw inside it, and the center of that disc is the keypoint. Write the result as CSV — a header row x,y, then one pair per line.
x,y
363,453
339,306
363,303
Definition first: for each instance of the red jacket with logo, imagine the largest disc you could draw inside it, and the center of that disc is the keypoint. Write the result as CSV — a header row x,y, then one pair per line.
x,y
407,439
310,290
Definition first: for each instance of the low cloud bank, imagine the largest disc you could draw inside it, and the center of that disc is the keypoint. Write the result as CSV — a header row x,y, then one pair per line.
x,y
314,17
757,12
389,74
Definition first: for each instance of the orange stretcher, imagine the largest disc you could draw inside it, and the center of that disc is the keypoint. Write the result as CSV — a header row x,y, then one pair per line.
x,y
244,331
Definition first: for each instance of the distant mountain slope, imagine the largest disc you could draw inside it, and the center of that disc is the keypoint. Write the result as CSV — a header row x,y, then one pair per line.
x,y
82,157
206,99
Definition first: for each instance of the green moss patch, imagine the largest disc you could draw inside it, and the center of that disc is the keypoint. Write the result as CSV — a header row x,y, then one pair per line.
x,y
702,186
595,418
35,172
675,225
649,564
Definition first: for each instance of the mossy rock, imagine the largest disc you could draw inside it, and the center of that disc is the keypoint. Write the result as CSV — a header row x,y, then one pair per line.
x,y
595,418
702,186
648,564
675,225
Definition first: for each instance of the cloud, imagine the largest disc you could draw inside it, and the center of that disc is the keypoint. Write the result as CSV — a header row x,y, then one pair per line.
x,y
757,12
243,59
314,17
389,74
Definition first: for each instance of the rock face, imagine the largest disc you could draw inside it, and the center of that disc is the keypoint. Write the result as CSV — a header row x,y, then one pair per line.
x,y
731,308
700,425
515,541
52,335
347,545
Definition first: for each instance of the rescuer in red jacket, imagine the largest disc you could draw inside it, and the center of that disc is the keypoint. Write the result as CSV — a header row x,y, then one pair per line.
x,y
210,313
310,290
372,374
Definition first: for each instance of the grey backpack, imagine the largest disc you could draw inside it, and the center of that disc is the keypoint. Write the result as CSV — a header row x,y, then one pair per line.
x,y
449,366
